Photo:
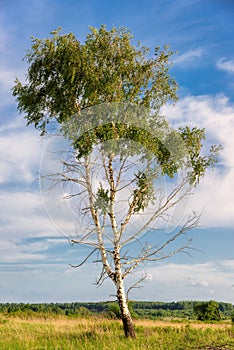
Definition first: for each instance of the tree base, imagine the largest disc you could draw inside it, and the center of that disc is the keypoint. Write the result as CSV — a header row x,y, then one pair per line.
x,y
128,327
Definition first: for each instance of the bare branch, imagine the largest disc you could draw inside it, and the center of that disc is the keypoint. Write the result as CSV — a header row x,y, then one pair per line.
x,y
137,285
84,261
169,203
150,253
100,280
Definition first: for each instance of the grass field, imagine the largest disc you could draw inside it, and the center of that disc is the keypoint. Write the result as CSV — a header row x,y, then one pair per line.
x,y
62,333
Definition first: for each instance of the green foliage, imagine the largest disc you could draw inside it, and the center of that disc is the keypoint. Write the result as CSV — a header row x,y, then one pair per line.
x,y
144,194
114,311
196,162
83,311
65,76
102,200
207,311
139,309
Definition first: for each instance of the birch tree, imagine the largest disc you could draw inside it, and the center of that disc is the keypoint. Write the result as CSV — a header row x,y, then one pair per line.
x,y
105,96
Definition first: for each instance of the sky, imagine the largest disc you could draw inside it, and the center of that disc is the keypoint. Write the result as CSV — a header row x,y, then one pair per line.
x,y
34,252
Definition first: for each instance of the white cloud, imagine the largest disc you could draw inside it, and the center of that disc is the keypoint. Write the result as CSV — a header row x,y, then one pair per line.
x,y
7,77
225,65
189,56
190,281
19,153
228,264
23,221
199,283
23,215
11,252
215,192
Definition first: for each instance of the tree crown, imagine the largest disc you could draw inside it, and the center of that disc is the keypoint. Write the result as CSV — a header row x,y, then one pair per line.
x,y
66,76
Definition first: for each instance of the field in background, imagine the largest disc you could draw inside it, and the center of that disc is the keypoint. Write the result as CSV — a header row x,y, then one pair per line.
x,y
64,333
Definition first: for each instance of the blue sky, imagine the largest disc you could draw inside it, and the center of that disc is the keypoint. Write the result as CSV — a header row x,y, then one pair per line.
x,y
34,255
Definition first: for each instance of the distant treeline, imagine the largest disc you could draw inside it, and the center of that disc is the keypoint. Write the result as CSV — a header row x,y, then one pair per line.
x,y
139,309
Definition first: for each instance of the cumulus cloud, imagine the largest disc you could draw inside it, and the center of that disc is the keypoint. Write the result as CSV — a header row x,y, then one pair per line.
x,y
19,153
214,195
199,283
26,231
192,281
225,65
22,216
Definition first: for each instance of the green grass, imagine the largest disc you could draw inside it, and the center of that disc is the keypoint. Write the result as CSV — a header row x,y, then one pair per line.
x,y
62,333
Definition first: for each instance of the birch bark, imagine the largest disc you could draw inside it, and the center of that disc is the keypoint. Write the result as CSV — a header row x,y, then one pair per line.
x,y
121,296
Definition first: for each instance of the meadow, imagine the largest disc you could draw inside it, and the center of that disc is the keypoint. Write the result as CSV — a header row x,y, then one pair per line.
x,y
98,333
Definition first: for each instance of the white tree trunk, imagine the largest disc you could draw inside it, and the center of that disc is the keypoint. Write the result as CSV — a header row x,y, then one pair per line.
x,y
121,296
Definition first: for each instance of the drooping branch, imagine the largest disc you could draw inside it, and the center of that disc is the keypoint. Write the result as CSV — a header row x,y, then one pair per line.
x,y
84,261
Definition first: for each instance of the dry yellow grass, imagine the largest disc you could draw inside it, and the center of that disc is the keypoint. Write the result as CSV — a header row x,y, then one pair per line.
x,y
95,333
61,322
197,325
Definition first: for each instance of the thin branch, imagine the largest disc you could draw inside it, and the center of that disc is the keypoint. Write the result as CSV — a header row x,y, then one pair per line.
x,y
149,253
136,285
168,204
84,261
120,172
102,278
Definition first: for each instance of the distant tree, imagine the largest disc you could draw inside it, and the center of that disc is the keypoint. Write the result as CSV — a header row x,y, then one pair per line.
x,y
83,311
207,311
106,95
113,310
